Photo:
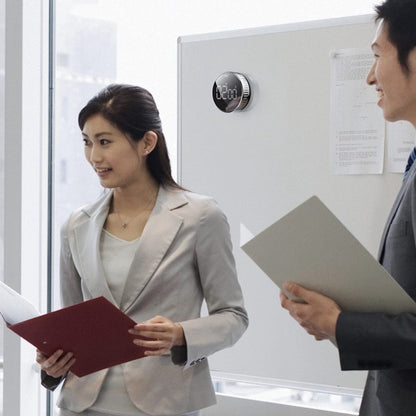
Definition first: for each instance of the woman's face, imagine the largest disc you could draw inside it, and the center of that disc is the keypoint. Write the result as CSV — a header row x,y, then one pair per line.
x,y
118,161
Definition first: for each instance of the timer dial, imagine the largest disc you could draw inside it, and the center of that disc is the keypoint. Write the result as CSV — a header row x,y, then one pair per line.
x,y
231,91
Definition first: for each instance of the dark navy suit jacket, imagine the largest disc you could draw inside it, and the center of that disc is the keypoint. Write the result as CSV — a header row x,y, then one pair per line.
x,y
386,344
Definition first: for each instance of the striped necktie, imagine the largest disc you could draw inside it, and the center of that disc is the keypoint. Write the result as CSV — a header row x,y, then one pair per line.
x,y
410,161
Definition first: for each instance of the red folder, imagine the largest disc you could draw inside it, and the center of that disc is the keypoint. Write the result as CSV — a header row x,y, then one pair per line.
x,y
95,331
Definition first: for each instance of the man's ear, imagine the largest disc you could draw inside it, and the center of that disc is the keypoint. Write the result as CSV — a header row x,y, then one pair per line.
x,y
149,142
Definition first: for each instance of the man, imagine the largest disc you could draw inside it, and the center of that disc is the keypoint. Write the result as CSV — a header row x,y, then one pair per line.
x,y
385,345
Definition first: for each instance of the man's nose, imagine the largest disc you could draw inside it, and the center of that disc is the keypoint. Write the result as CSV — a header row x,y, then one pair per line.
x,y
371,79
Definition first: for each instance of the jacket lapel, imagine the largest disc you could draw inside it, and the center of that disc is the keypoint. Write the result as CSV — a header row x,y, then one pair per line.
x,y
158,235
405,185
87,247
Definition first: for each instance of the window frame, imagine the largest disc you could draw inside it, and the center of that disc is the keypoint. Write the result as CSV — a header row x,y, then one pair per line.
x,y
26,259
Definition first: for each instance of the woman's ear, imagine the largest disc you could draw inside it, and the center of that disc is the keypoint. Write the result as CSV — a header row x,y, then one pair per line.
x,y
149,142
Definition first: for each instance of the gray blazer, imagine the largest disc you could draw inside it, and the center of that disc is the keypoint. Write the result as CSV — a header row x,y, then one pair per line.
x,y
185,256
381,343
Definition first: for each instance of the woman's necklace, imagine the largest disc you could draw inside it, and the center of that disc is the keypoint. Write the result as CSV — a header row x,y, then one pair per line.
x,y
124,223
148,207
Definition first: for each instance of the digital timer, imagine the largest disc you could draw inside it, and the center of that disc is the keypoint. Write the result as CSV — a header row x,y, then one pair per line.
x,y
231,91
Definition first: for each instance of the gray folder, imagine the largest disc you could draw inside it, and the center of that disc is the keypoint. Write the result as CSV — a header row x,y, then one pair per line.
x,y
310,246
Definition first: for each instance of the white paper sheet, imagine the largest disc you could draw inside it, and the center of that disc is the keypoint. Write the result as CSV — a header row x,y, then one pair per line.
x,y
14,307
400,142
310,246
357,124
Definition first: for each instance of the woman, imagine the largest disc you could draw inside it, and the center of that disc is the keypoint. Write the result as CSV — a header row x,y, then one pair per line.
x,y
162,250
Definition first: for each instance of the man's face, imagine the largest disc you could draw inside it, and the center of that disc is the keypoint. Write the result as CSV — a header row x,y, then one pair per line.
x,y
396,88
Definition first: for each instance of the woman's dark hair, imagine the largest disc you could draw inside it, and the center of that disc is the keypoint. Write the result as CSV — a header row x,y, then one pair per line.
x,y
133,111
400,16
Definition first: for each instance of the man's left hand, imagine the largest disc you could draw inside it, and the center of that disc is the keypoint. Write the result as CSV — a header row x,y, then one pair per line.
x,y
318,315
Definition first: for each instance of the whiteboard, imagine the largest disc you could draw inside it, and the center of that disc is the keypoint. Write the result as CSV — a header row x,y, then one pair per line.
x,y
263,161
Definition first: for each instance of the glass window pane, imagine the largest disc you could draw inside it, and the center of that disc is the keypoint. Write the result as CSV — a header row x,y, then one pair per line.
x,y
82,67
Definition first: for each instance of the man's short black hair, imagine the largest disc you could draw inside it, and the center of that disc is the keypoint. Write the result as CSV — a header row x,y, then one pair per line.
x,y
400,17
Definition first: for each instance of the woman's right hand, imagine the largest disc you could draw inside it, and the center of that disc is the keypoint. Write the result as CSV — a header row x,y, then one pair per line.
x,y
56,365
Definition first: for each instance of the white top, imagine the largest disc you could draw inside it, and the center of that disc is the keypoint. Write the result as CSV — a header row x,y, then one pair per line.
x,y
116,256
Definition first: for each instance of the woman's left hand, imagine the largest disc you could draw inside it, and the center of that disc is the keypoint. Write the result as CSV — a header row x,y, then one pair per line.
x,y
162,335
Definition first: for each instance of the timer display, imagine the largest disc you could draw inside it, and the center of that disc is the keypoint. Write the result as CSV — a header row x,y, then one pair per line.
x,y
231,91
